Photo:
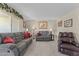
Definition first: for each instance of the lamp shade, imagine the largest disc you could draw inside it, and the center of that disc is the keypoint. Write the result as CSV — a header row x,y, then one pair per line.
x,y
27,29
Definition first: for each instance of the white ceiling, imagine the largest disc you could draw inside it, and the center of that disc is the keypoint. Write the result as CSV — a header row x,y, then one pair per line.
x,y
44,11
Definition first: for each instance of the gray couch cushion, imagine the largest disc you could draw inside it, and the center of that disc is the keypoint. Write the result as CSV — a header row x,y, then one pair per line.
x,y
44,33
27,40
18,37
21,45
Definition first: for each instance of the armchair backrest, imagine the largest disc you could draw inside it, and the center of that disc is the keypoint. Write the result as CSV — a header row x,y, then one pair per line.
x,y
44,32
66,34
70,34
66,37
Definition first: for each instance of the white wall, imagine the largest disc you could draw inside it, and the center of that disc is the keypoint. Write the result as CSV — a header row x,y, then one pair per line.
x,y
34,23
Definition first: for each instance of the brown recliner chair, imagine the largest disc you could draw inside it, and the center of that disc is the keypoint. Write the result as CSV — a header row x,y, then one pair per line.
x,y
67,44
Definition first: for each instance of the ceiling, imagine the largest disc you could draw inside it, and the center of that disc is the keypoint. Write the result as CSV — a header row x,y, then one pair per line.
x,y
37,11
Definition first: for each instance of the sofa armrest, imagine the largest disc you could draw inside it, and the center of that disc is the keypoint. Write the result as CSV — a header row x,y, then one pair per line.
x,y
8,49
6,52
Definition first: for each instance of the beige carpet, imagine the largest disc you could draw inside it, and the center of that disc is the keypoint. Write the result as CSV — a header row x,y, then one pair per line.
x,y
43,48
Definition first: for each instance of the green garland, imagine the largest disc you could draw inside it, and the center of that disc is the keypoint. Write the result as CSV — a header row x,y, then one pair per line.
x,y
10,10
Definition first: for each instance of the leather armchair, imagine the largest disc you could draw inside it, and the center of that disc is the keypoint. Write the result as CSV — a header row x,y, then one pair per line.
x,y
67,44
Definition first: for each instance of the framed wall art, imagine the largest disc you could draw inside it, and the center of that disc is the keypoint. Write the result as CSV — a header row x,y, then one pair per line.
x,y
68,23
43,24
60,23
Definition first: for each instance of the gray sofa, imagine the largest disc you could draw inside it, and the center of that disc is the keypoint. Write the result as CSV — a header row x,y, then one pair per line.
x,y
44,36
14,49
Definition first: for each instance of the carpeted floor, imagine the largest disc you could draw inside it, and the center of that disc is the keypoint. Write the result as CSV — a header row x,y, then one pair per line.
x,y
43,48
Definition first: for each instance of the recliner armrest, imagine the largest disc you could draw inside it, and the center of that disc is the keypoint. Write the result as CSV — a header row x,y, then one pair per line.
x,y
77,44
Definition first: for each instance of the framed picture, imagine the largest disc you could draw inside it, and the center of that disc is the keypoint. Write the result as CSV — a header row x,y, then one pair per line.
x,y
68,23
43,24
60,23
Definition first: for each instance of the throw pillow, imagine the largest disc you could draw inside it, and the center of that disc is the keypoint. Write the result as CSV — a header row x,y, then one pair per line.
x,y
8,40
27,35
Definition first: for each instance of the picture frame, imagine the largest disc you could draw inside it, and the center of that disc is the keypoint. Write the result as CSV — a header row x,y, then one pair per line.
x,y
68,23
43,24
60,23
